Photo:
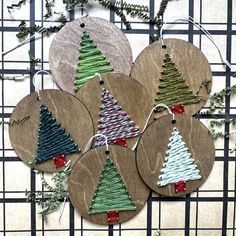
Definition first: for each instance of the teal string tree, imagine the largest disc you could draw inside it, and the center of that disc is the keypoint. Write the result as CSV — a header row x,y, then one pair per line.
x,y
52,138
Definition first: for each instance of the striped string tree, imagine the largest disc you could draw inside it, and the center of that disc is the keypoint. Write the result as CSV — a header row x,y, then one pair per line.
x,y
111,195
114,123
179,166
90,62
173,89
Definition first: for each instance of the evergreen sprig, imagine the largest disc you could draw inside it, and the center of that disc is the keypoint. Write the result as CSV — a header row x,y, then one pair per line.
x,y
15,5
15,121
24,31
32,59
71,4
217,99
121,9
50,201
48,6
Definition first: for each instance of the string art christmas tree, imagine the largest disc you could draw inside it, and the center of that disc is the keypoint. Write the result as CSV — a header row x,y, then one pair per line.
x,y
53,141
111,194
179,165
90,62
173,89
113,122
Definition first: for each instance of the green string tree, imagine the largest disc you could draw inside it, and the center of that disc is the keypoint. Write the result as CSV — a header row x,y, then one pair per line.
x,y
173,89
111,194
90,62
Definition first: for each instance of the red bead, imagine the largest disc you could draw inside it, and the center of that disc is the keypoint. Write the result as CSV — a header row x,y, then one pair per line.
x,y
112,216
59,160
178,109
120,141
180,186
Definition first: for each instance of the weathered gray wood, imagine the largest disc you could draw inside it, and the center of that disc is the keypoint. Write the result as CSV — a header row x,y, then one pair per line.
x,y
69,112
64,50
189,60
152,148
86,174
130,94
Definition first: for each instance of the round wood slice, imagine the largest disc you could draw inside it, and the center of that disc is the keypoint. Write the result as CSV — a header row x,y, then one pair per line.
x,y
131,96
64,50
68,111
189,60
152,148
86,174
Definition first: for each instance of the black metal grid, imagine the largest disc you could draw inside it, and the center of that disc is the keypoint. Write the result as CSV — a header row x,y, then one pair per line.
x,y
209,211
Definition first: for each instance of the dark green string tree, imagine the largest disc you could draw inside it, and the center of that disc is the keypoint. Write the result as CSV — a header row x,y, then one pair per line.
x,y
52,138
90,62
173,89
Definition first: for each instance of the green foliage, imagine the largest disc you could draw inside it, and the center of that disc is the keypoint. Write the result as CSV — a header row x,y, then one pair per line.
x,y
17,5
24,31
32,59
217,99
120,8
16,78
71,4
50,201
48,6
216,105
15,121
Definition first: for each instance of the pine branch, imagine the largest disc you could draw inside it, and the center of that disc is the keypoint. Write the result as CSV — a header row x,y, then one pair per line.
x,y
112,6
50,201
25,31
17,5
16,78
160,13
48,6
71,4
217,99
14,122
32,59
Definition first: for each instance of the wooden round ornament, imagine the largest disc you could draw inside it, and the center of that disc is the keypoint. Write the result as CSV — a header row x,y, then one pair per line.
x,y
77,53
132,101
177,74
35,143
90,175
175,159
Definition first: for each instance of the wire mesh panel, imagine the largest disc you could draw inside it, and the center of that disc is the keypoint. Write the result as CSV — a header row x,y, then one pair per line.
x,y
208,211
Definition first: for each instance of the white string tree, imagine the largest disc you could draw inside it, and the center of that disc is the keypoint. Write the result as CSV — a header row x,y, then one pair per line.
x,y
179,166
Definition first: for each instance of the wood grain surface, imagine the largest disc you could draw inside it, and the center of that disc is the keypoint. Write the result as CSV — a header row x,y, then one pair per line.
x,y
64,50
130,94
68,111
152,148
189,60
86,174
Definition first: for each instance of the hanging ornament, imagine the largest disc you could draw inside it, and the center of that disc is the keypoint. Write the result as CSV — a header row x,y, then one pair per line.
x,y
118,106
114,122
176,74
87,46
105,186
55,132
175,154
